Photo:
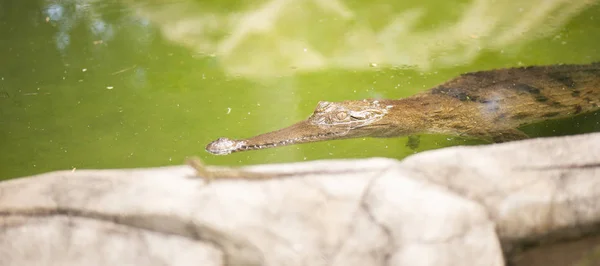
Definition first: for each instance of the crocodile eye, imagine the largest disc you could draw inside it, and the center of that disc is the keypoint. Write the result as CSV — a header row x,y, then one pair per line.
x,y
359,116
341,115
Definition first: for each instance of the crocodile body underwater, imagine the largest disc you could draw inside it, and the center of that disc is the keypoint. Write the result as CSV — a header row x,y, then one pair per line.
x,y
488,105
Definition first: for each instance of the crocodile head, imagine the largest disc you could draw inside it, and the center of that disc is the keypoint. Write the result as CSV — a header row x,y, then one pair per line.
x,y
330,120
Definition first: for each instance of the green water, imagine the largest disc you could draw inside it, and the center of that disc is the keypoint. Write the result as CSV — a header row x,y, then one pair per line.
x,y
107,84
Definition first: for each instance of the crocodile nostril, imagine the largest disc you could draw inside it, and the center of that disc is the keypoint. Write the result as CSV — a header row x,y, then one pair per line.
x,y
222,146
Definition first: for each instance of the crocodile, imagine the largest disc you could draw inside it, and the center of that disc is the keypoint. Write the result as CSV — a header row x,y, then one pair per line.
x,y
488,105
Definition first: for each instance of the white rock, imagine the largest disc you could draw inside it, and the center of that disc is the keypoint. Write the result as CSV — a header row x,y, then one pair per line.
x,y
453,206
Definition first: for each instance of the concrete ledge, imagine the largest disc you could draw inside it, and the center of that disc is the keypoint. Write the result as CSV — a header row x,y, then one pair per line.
x,y
531,202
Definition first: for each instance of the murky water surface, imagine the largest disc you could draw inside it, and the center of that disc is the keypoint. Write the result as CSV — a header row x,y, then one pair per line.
x,y
110,84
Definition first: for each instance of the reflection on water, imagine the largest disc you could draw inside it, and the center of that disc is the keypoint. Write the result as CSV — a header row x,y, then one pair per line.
x,y
106,84
286,36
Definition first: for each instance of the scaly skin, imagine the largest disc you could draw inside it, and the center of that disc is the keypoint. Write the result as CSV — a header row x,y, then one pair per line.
x,y
488,105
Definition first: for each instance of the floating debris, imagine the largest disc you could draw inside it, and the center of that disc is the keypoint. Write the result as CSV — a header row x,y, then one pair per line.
x,y
123,70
